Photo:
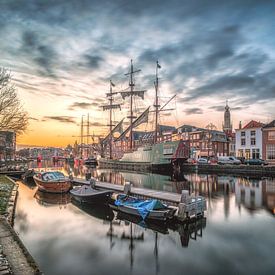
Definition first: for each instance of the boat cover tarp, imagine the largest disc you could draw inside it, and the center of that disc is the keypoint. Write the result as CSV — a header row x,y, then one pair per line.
x,y
143,206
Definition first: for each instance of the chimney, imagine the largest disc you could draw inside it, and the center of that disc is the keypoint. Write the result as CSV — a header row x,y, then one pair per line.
x,y
240,125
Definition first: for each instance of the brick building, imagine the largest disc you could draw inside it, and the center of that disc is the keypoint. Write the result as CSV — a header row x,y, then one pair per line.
x,y
268,146
7,145
204,142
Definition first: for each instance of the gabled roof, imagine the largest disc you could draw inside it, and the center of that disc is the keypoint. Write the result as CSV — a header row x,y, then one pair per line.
x,y
270,125
189,128
253,124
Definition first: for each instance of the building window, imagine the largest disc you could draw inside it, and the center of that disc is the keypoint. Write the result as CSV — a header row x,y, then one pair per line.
x,y
270,151
247,154
240,153
242,134
243,141
253,133
253,141
271,135
255,153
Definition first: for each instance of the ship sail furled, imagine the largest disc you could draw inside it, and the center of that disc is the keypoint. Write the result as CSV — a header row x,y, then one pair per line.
x,y
143,118
118,128
137,93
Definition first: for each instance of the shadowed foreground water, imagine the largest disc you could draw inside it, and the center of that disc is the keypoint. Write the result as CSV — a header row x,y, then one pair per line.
x,y
236,237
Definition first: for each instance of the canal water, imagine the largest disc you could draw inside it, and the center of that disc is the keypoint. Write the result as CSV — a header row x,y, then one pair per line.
x,y
236,236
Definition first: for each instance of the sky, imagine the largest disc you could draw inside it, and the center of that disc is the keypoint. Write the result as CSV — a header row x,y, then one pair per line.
x,y
63,53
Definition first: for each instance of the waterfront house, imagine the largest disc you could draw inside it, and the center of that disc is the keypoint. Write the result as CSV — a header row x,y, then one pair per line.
x,y
268,146
249,140
204,142
7,144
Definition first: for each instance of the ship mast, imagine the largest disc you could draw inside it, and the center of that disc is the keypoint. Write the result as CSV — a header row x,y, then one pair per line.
x,y
81,138
110,107
132,93
156,103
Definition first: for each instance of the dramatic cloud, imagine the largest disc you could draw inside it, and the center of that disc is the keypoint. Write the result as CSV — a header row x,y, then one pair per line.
x,y
64,119
43,55
67,51
83,105
222,108
193,111
97,124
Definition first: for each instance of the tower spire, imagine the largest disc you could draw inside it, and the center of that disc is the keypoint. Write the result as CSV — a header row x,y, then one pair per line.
x,y
227,125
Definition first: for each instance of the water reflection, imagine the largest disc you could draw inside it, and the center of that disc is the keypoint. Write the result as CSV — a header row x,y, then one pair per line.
x,y
84,239
99,211
49,199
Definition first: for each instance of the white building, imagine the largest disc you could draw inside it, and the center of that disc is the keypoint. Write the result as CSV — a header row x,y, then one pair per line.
x,y
249,192
249,140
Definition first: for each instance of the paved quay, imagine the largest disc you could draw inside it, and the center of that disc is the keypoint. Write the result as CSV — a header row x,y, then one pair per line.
x,y
14,257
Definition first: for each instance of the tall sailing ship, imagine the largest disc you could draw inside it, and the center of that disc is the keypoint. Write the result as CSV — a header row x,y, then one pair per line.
x,y
123,151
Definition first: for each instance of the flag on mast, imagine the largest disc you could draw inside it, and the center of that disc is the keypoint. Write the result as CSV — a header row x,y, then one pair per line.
x,y
158,65
112,83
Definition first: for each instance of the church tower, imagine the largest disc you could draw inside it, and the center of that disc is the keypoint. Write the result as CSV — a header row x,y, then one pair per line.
x,y
227,126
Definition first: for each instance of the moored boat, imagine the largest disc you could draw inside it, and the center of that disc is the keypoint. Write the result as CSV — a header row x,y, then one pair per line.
x,y
91,161
146,209
88,194
52,182
135,150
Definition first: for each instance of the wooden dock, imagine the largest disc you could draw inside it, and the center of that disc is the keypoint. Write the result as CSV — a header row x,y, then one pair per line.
x,y
141,192
187,205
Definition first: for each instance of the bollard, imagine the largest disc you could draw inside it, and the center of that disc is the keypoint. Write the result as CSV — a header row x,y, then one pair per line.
x,y
92,182
88,176
185,198
181,211
127,188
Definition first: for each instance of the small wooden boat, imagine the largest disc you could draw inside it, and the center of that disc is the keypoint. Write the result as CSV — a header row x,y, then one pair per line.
x,y
88,194
146,209
52,182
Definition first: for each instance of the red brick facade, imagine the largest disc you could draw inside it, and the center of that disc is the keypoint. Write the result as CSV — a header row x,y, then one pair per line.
x,y
269,142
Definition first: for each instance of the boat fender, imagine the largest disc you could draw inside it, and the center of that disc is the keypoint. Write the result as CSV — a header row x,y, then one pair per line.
x,y
114,196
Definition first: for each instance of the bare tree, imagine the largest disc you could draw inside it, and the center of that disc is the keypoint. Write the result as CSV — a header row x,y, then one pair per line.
x,y
12,114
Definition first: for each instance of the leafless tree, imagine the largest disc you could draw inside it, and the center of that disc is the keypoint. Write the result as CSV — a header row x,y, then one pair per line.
x,y
12,114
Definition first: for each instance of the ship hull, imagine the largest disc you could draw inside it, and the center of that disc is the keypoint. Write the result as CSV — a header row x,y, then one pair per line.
x,y
134,166
161,157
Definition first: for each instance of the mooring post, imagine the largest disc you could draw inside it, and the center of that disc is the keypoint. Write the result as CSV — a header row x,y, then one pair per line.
x,y
185,198
182,207
196,206
182,211
127,188
88,176
92,182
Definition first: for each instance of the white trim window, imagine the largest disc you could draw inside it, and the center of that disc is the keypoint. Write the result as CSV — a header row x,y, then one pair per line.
x,y
270,151
271,135
255,153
